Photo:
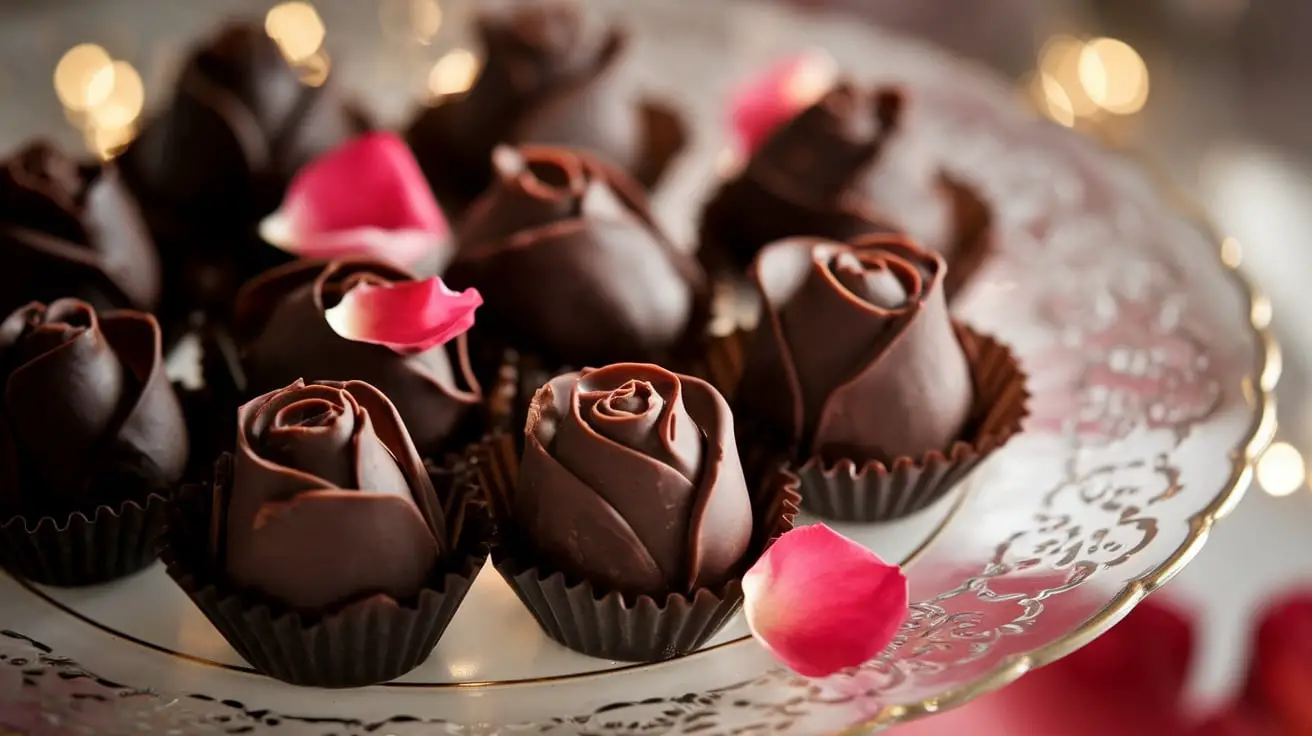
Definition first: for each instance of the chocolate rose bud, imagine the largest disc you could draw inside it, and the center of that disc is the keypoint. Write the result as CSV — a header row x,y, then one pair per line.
x,y
548,78
69,230
240,124
807,177
328,499
89,416
855,355
571,264
631,480
284,334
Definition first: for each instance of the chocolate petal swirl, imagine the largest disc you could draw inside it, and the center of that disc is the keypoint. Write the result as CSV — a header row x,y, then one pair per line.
x,y
70,230
807,178
860,339
322,508
561,234
626,480
283,334
86,396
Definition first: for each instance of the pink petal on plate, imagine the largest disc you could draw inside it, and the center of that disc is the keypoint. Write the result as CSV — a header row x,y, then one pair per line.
x,y
763,103
367,197
821,603
407,316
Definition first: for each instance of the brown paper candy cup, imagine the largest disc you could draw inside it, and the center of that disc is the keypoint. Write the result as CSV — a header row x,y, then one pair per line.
x,y
607,624
878,492
367,642
82,550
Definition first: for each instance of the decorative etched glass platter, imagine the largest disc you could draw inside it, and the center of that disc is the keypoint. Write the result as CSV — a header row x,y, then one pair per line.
x,y
1150,367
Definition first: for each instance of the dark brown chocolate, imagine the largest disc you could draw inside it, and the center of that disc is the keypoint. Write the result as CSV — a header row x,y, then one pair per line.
x,y
283,335
806,178
816,176
631,480
328,502
549,78
855,356
72,231
571,265
220,156
89,418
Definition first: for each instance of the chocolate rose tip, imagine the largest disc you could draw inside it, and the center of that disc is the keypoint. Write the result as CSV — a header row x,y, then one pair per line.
x,y
45,168
874,283
45,328
542,173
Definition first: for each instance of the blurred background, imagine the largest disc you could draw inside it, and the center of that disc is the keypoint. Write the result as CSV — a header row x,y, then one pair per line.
x,y
1215,92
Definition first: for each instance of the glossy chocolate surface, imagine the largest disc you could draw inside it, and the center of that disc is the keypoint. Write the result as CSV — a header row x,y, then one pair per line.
x,y
855,356
631,479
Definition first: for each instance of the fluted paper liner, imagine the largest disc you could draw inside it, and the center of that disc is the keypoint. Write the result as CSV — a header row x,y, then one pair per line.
x,y
366,642
603,623
875,491
83,550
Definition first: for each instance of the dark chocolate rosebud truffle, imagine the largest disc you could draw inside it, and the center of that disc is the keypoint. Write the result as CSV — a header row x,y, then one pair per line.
x,y
220,156
806,179
240,124
328,500
855,355
631,480
549,77
71,231
571,265
89,417
283,335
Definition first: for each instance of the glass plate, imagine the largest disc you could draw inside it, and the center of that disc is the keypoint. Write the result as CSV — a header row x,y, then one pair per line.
x,y
1150,363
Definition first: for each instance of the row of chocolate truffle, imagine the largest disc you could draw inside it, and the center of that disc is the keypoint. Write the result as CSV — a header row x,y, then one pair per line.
x,y
240,126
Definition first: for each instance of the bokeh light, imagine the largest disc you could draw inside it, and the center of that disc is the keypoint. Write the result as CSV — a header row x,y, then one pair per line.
x,y
410,20
126,98
314,69
297,29
453,73
812,77
1280,470
80,81
1113,76
1059,68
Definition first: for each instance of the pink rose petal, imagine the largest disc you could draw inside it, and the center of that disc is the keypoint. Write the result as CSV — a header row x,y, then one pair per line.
x,y
365,198
780,92
1280,675
406,316
822,603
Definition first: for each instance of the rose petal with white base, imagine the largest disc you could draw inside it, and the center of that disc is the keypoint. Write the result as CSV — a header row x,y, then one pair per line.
x,y
764,102
407,316
366,198
821,603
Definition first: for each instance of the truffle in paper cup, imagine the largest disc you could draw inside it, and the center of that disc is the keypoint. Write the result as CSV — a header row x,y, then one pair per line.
x,y
858,377
627,525
320,570
92,433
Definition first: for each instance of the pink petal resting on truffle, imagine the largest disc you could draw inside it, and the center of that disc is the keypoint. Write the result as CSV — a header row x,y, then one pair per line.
x,y
366,197
406,316
820,602
765,102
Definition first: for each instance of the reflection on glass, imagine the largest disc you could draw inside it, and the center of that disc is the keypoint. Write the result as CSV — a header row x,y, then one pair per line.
x,y
1281,471
297,29
453,73
79,79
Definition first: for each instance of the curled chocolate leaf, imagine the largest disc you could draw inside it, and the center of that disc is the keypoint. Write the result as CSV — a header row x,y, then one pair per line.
x,y
855,356
89,418
571,264
631,480
549,78
71,230
285,334
328,502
